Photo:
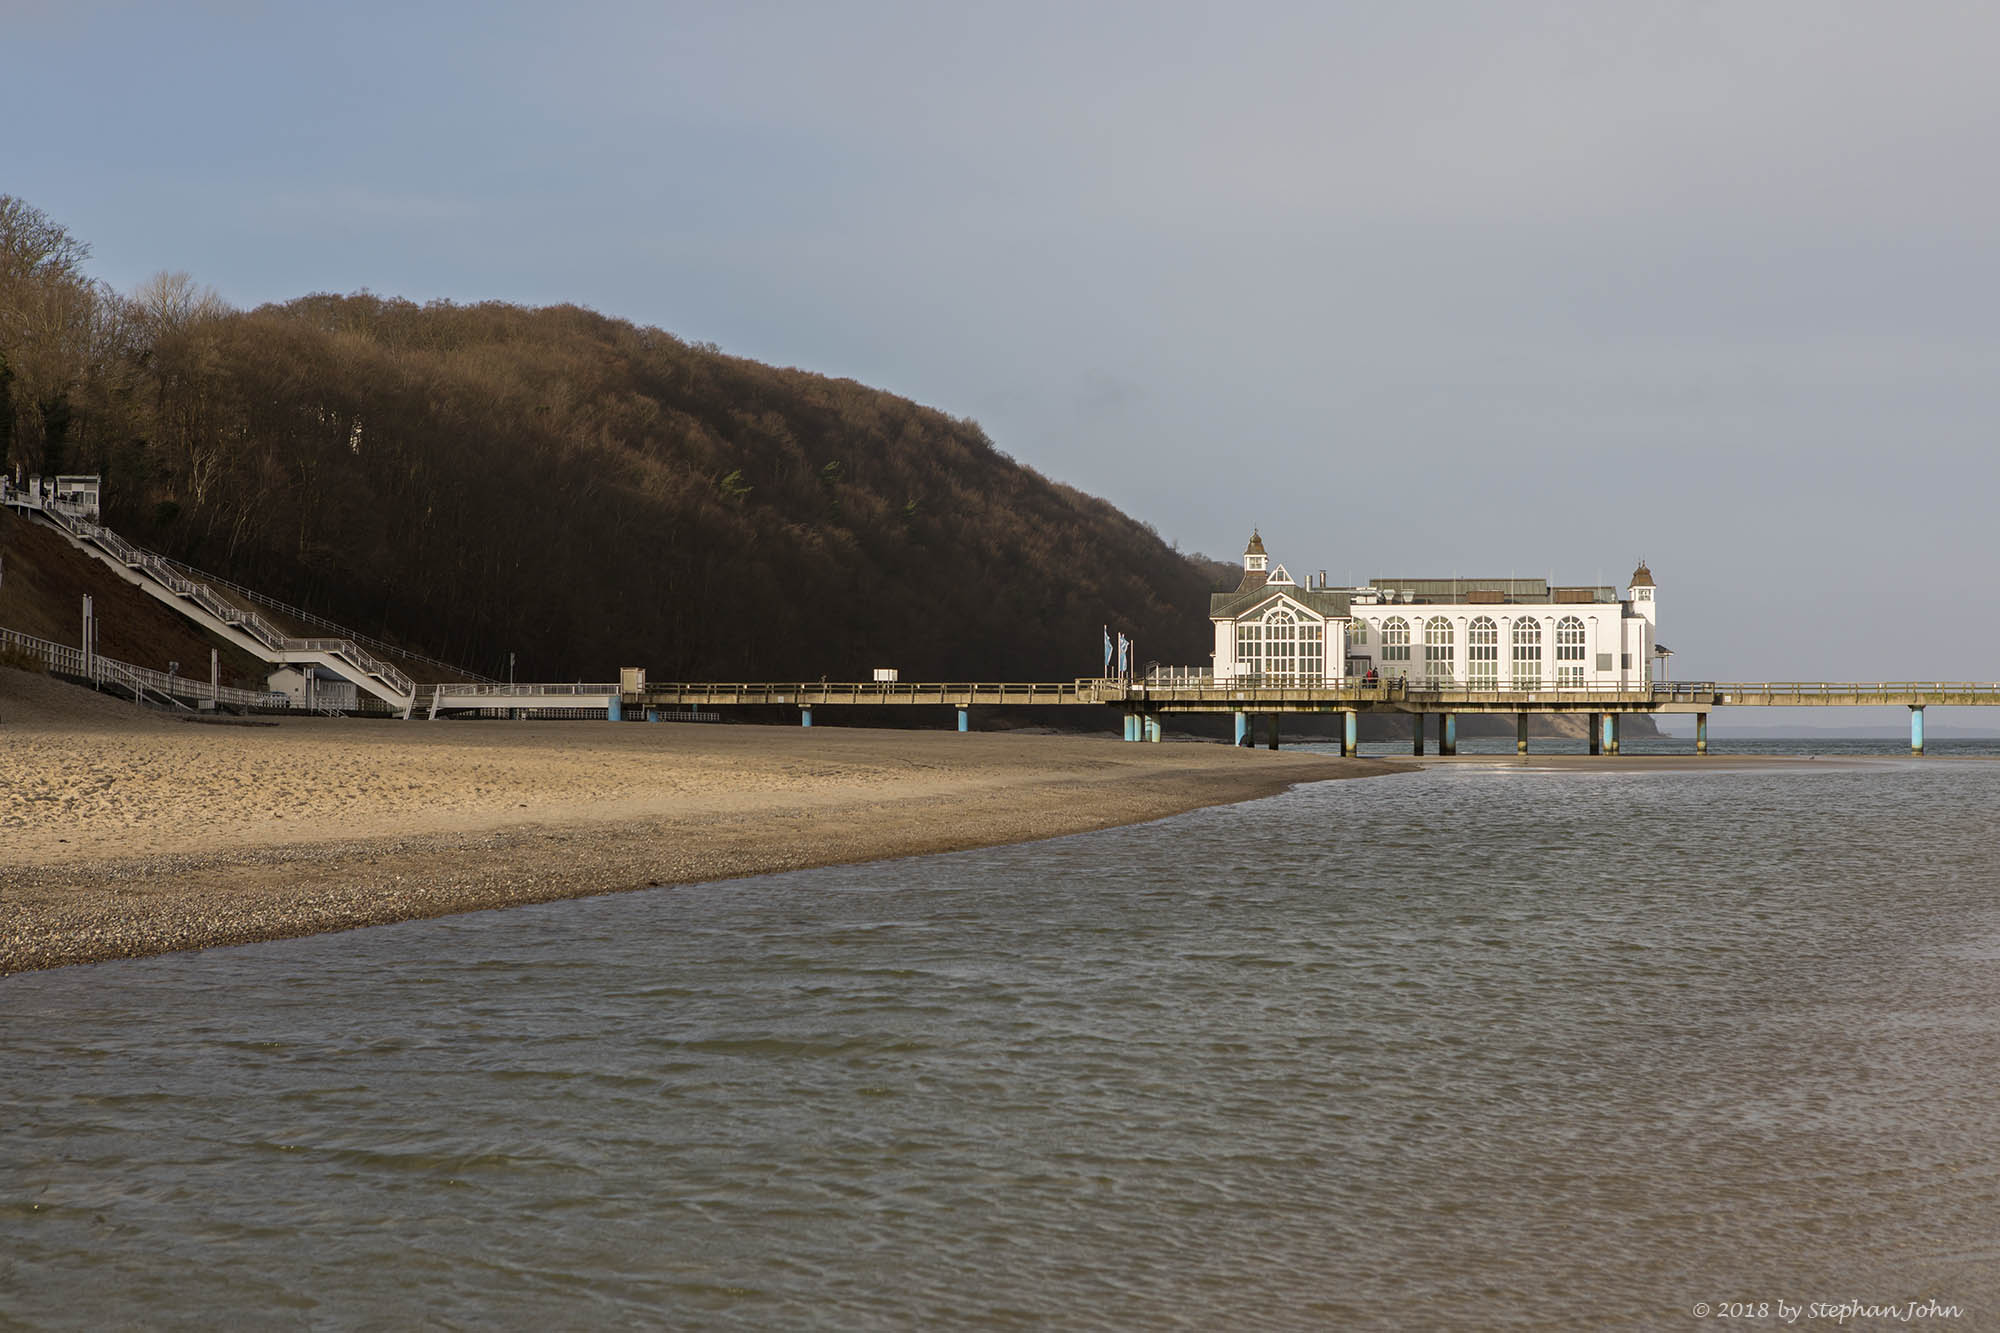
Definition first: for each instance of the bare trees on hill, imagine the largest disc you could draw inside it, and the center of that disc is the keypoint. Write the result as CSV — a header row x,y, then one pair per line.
x,y
479,479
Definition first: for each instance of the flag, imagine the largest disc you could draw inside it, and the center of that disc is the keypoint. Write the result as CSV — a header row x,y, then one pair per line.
x,y
1107,650
1124,648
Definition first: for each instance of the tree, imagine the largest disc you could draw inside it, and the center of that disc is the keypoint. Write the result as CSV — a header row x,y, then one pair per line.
x,y
47,311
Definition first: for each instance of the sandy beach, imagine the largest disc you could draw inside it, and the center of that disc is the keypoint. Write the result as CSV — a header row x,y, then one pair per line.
x,y
124,833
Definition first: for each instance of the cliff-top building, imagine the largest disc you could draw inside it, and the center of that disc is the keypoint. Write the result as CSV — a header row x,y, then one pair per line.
x,y
1477,633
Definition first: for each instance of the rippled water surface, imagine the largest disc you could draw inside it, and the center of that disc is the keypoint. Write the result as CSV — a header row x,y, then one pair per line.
x,y
1472,1047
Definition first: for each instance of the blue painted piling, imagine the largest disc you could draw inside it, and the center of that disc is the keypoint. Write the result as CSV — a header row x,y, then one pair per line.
x,y
1242,728
1916,729
1350,739
805,717
964,719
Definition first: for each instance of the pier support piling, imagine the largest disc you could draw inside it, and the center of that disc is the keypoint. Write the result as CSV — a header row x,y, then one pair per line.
x,y
1243,736
1596,729
1916,729
1273,720
1448,733
615,711
965,719
805,717
1131,726
1701,733
1417,734
1614,730
1350,743
1520,733
1154,732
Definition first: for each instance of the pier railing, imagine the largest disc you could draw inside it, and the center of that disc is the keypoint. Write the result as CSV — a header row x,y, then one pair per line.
x,y
1414,687
478,689
1083,691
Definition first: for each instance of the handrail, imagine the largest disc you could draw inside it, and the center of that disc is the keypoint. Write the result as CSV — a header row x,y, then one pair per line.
x,y
313,618
162,570
97,668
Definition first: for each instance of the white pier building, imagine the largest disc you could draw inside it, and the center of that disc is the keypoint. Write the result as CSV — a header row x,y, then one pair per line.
x,y
1470,633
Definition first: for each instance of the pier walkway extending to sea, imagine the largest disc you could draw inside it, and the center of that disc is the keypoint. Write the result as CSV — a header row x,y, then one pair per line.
x,y
1146,701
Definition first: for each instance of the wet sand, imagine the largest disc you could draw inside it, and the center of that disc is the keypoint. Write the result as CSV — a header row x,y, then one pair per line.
x,y
125,833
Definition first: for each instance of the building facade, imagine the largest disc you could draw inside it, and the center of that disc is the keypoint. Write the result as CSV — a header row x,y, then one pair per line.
x,y
1460,633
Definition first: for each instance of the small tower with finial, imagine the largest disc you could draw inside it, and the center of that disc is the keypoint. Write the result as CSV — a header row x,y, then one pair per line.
x,y
1641,592
1256,563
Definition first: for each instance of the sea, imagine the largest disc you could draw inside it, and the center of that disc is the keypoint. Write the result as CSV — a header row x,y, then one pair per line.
x,y
1485,1045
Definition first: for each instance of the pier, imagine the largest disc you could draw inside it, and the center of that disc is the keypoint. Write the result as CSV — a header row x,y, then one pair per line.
x,y
1146,702
70,505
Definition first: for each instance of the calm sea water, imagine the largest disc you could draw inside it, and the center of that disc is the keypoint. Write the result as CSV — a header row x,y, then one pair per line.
x,y
1480,1046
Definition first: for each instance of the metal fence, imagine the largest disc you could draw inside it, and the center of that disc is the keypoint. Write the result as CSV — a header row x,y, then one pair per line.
x,y
140,681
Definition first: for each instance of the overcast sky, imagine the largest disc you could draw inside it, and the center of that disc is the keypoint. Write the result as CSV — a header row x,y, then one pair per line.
x,y
1418,289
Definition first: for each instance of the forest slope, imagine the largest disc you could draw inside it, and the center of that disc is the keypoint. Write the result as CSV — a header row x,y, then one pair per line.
x,y
475,480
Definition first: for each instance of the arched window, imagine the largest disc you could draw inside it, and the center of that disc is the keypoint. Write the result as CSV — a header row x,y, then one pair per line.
x,y
1482,653
1527,653
1357,633
1438,651
1281,643
1294,649
1569,651
1396,646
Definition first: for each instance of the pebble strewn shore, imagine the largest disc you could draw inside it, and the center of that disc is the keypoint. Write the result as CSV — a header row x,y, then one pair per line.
x,y
125,834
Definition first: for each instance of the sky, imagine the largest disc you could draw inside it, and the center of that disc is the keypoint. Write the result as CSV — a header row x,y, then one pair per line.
x,y
1426,289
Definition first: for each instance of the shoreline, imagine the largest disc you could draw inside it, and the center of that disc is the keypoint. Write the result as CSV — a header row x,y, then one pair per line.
x,y
1640,763
126,835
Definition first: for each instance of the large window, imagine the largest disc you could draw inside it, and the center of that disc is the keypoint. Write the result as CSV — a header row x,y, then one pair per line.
x,y
1396,646
1438,651
1527,654
1357,633
1281,646
1294,650
1482,653
1249,648
1569,651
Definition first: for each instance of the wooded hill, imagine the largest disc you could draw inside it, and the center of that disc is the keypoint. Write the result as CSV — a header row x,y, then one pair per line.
x,y
474,479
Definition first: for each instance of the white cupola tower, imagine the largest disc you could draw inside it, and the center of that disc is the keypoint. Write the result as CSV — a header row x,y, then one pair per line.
x,y
1256,564
1641,594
